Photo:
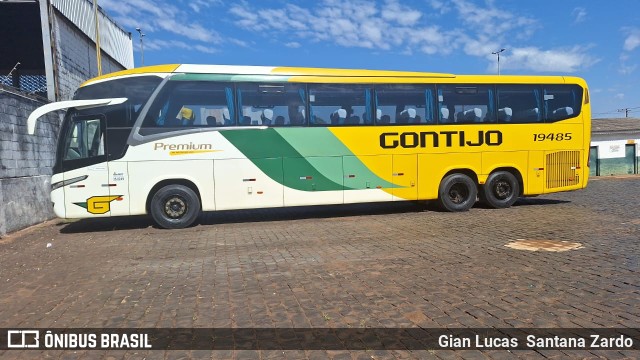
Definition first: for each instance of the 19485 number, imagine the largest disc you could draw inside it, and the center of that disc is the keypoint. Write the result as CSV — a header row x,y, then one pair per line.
x,y
552,137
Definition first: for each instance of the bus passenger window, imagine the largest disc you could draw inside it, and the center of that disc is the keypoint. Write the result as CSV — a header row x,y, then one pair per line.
x,y
467,104
190,104
405,104
339,105
519,103
275,104
562,102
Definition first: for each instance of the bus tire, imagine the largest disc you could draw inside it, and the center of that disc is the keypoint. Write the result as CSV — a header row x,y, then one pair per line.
x,y
501,190
175,207
457,192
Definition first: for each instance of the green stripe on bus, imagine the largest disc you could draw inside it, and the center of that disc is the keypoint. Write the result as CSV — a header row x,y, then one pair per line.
x,y
321,142
299,174
312,158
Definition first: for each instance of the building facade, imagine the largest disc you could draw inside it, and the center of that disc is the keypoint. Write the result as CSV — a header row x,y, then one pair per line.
x,y
615,147
48,50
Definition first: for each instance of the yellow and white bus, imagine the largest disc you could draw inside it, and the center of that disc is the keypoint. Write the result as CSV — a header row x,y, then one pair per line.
x,y
175,140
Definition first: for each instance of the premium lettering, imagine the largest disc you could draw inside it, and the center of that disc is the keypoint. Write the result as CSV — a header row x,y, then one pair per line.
x,y
174,147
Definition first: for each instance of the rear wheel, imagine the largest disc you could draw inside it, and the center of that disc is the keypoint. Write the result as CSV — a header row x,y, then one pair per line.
x,y
457,192
175,207
501,190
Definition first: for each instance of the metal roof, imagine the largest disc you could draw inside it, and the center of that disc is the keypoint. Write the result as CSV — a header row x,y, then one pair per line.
x,y
114,40
615,129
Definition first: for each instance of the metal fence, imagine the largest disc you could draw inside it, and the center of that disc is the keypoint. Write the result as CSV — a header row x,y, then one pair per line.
x,y
33,84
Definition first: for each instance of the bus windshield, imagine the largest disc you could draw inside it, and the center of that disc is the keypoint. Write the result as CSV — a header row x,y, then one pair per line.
x,y
136,89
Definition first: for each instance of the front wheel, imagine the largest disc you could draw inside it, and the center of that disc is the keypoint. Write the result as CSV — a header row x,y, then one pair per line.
x,y
457,192
501,190
175,207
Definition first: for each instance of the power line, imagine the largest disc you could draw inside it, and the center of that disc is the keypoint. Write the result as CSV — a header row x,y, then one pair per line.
x,y
626,111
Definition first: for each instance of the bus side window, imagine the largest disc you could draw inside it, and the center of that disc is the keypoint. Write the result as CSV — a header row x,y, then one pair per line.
x,y
190,104
85,139
562,102
519,103
275,104
339,105
467,104
404,104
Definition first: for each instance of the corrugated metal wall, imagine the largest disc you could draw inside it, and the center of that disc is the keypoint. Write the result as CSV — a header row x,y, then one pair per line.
x,y
113,40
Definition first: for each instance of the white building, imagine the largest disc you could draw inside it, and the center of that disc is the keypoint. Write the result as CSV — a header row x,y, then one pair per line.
x,y
615,146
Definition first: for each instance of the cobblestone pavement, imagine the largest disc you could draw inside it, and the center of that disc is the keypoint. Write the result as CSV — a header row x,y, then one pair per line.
x,y
367,265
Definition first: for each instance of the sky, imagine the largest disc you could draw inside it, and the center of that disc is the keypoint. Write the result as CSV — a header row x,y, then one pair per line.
x,y
596,40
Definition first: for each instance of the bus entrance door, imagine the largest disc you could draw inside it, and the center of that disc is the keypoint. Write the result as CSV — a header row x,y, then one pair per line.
x,y
85,168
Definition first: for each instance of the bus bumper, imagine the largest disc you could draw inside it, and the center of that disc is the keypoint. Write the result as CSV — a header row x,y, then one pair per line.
x,y
57,198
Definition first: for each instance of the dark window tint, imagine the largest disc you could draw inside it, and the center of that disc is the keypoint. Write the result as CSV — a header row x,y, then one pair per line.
x,y
404,104
519,103
191,104
136,89
334,105
562,102
466,104
271,104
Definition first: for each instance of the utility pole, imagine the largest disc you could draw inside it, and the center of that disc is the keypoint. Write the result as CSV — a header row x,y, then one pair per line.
x,y
625,111
498,53
98,55
141,45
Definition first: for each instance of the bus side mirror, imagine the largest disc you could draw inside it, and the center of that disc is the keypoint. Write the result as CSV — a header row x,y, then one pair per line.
x,y
60,105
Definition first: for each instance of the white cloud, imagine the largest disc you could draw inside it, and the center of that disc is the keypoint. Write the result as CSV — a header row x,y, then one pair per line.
x,y
205,49
627,69
198,5
238,42
554,60
153,16
443,27
156,44
395,26
632,41
624,68
348,23
579,14
619,96
492,21
394,11
439,5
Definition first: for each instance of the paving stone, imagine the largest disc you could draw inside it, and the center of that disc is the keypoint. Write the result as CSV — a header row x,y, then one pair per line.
x,y
366,265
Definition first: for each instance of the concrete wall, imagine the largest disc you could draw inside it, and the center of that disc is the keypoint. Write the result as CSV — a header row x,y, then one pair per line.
x,y
25,162
75,57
